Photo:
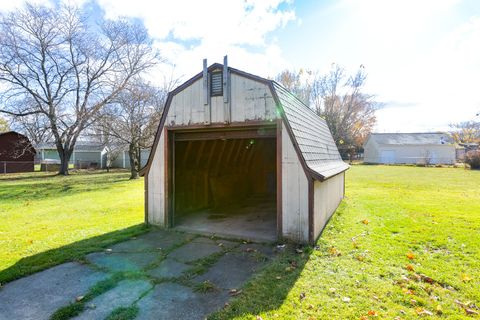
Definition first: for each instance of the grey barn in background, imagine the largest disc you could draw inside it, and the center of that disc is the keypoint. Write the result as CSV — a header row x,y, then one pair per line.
x,y
409,148
236,154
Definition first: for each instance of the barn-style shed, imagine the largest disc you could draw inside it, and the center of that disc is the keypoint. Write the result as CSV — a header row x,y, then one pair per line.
x,y
238,155
16,153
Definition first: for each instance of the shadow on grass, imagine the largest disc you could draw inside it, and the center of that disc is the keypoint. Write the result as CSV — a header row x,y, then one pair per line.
x,y
73,252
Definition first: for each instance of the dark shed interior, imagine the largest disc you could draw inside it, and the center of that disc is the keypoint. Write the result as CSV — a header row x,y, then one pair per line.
x,y
226,186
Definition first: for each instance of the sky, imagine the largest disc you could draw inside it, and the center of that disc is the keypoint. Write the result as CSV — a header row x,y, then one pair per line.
x,y
422,57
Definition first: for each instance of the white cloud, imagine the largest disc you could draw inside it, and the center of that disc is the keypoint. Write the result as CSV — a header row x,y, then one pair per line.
x,y
188,31
419,52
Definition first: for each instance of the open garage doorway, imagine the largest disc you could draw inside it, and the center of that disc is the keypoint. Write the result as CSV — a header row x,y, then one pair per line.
x,y
225,183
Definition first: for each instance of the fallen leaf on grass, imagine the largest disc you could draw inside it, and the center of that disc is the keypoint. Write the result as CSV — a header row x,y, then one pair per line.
x,y
234,292
408,291
467,306
426,278
334,252
410,256
409,267
423,312
365,221
372,313
363,318
466,278
471,312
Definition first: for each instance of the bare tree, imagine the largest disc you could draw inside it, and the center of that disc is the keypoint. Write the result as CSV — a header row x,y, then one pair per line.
x,y
131,120
68,67
297,83
466,132
339,99
36,127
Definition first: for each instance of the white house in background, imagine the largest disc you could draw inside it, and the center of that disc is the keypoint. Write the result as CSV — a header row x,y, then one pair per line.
x,y
409,148
85,154
123,159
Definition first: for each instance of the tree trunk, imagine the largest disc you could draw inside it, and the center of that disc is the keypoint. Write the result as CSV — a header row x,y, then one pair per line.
x,y
132,152
64,159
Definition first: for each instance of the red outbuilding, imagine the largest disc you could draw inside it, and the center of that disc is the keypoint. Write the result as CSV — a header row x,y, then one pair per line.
x,y
16,153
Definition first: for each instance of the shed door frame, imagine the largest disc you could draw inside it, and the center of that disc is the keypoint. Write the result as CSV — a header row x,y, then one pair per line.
x,y
253,129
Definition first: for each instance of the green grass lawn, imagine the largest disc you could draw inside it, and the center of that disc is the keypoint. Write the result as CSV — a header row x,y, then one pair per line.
x,y
431,215
404,243
47,219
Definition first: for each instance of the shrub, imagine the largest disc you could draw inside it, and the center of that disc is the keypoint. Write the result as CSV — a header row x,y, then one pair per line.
x,y
473,159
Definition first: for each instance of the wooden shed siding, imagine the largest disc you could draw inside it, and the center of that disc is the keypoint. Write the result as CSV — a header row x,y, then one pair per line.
x,y
156,186
294,193
326,198
250,100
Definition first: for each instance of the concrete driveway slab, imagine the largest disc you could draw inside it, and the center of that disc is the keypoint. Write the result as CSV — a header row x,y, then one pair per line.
x,y
133,261
231,271
197,249
168,269
174,301
38,296
124,294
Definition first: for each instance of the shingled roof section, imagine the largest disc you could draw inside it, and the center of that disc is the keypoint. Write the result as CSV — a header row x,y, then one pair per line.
x,y
311,134
416,138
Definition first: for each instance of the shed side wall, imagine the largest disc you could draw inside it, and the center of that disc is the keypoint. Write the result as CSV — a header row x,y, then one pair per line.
x,y
156,186
294,193
327,196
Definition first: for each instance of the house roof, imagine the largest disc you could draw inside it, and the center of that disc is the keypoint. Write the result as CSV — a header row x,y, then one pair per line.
x,y
80,146
417,138
311,137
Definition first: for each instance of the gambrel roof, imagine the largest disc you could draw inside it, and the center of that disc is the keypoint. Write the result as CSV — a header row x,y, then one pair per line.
x,y
309,133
